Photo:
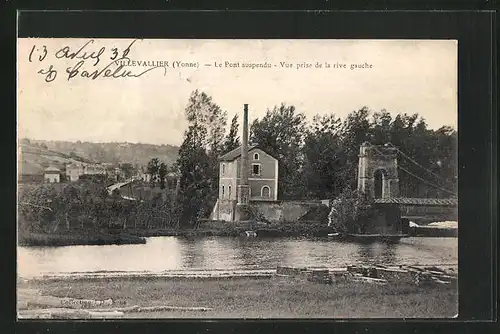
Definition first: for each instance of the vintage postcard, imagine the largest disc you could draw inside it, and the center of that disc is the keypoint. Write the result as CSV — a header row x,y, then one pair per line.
x,y
237,178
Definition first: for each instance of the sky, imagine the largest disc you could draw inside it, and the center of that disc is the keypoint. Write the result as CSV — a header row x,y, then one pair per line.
x,y
406,76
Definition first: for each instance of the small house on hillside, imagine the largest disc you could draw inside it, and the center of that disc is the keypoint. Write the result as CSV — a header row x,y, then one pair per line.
x,y
262,175
94,169
52,175
74,171
115,173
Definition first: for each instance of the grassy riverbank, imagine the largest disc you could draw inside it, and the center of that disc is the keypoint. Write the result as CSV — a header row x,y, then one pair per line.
x,y
260,298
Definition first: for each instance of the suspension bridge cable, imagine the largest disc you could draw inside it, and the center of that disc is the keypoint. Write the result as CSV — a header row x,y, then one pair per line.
x,y
427,182
416,163
410,173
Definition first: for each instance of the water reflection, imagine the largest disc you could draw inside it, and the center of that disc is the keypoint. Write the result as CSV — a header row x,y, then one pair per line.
x,y
378,253
253,254
220,253
192,253
172,253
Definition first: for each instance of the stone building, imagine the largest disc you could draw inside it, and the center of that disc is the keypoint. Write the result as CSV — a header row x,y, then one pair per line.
x,y
75,171
246,174
262,175
94,169
52,175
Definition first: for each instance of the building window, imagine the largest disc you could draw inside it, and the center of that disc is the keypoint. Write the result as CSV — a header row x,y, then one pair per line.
x,y
265,192
256,156
255,169
222,191
223,169
229,191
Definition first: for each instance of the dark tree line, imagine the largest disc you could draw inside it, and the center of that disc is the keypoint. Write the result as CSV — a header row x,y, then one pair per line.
x,y
320,159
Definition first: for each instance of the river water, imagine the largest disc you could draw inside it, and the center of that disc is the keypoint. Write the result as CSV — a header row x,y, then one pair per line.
x,y
161,254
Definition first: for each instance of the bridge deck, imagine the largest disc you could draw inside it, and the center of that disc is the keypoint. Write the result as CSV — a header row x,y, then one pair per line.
x,y
418,201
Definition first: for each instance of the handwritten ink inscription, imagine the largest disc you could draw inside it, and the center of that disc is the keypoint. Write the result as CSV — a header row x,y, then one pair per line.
x,y
91,60
88,59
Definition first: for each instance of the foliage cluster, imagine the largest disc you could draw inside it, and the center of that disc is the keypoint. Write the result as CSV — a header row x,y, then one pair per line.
x,y
318,159
351,212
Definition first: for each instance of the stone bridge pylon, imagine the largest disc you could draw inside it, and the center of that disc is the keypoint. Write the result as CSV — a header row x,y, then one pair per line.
x,y
378,171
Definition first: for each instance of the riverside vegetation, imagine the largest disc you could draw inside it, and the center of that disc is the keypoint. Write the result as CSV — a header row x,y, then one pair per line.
x,y
318,160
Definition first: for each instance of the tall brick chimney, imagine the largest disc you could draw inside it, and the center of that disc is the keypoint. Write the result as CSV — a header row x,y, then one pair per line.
x,y
243,195
244,148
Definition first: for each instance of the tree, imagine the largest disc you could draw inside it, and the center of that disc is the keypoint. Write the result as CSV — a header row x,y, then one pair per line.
x,y
352,212
381,127
322,157
355,131
281,134
128,169
153,168
36,212
413,144
232,140
193,164
209,122
402,129
162,174
69,204
203,112
444,161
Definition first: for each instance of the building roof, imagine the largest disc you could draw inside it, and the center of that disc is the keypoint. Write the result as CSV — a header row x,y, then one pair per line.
x,y
236,153
52,170
418,201
74,165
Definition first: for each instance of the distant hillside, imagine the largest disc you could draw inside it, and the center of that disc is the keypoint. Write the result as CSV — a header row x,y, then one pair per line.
x,y
34,159
36,155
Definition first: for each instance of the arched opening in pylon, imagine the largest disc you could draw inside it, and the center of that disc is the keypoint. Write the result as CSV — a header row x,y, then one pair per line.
x,y
379,181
